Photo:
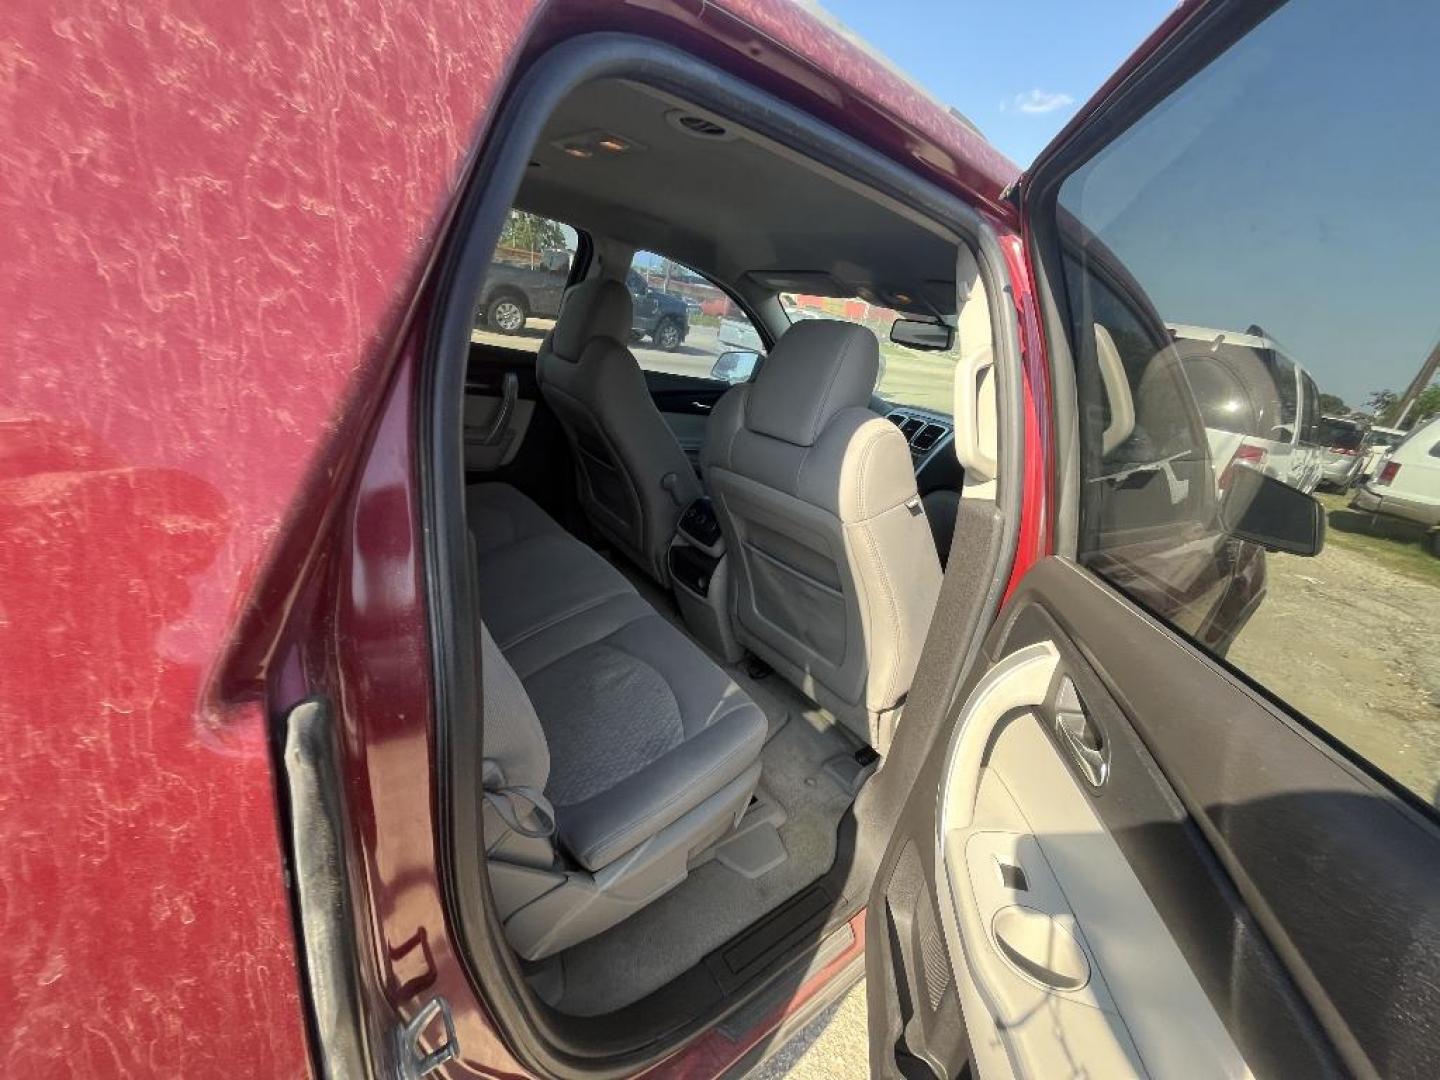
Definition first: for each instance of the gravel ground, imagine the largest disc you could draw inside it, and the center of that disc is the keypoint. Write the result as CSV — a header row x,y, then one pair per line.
x,y
833,1046
1353,645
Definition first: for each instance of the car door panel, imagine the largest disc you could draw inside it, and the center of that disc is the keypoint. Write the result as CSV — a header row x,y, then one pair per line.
x,y
501,392
1245,897
1331,870
494,430
529,451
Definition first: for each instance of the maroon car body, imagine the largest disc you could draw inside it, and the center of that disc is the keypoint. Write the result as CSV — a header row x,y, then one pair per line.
x,y
218,223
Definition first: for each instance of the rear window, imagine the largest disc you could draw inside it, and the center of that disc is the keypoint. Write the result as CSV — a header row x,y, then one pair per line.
x,y
1340,435
529,270
1237,388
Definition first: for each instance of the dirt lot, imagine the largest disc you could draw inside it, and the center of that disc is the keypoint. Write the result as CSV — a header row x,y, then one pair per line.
x,y
1352,639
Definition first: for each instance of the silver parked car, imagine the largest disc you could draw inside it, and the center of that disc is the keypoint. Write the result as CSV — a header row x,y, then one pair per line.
x,y
1342,451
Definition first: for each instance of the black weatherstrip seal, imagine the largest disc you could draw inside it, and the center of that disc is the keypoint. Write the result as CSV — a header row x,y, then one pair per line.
x,y
327,929
541,1039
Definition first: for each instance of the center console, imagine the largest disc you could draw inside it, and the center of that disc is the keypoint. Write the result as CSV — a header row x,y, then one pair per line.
x,y
699,573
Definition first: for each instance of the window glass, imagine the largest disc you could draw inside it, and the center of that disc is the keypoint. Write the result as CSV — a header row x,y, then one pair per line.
x,y
520,298
684,324
1340,434
1230,282
924,380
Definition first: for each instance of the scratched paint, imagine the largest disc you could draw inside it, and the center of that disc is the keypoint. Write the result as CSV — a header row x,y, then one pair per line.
x,y
212,216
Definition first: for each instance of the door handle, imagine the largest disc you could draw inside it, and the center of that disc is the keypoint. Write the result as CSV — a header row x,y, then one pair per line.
x,y
509,391
1081,737
703,406
1041,948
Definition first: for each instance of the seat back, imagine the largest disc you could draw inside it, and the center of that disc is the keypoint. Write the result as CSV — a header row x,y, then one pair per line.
x,y
633,477
836,573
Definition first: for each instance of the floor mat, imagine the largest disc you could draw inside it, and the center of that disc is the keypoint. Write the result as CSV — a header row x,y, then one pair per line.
x,y
714,903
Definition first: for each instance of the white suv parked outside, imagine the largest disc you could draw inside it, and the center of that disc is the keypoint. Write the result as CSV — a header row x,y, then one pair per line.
x,y
1408,483
1261,408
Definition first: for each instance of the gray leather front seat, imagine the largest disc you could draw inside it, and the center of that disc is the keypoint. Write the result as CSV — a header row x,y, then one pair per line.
x,y
615,751
634,478
836,573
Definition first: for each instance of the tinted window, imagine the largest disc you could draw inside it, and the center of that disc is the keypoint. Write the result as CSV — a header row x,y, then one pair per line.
x,y
528,272
1229,249
1340,435
684,323
1235,389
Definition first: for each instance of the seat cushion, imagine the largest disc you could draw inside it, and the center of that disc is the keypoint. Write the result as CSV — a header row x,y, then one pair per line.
x,y
533,575
642,727
640,724
499,515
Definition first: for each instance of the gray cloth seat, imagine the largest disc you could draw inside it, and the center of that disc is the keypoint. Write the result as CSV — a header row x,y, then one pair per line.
x,y
835,572
634,480
600,716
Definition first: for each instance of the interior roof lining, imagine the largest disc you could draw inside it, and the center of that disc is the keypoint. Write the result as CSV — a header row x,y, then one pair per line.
x,y
706,213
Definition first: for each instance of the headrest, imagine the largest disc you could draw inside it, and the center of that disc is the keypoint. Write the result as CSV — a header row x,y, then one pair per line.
x,y
817,368
596,308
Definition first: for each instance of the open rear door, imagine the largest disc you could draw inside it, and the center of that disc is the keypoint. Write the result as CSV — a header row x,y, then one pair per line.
x,y
1171,829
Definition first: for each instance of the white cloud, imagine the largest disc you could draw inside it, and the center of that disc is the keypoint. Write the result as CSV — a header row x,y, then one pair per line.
x,y
1037,101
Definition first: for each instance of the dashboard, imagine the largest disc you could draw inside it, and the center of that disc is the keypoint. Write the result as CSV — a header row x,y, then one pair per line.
x,y
929,434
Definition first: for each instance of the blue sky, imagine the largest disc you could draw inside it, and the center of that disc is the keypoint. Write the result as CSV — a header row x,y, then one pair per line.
x,y
1018,68
1292,184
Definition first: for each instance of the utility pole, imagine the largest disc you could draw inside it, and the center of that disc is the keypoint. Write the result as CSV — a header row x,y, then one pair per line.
x,y
1418,385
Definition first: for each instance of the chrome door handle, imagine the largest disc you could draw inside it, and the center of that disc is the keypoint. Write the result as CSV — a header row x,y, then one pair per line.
x,y
1086,745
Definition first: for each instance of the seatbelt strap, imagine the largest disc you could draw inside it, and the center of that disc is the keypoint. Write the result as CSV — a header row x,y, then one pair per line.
x,y
523,809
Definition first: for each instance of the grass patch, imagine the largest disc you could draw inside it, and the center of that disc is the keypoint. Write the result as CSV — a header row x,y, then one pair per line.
x,y
1396,544
924,380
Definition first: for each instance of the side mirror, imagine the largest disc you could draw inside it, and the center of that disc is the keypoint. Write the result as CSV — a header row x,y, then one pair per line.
x,y
735,366
1273,514
920,334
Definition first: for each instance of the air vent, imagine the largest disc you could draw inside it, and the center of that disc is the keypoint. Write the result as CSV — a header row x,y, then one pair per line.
x,y
911,427
897,418
697,126
928,437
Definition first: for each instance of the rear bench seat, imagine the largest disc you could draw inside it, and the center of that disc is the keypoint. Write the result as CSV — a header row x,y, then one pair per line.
x,y
601,717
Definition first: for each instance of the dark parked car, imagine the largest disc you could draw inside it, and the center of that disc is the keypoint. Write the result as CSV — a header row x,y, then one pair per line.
x,y
514,293
664,318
